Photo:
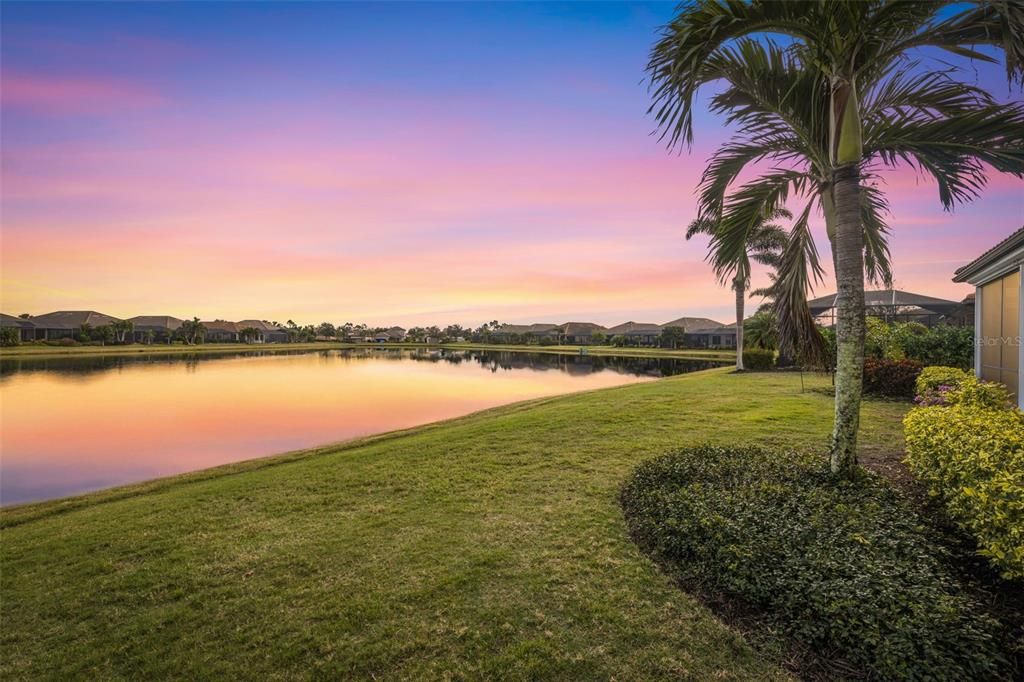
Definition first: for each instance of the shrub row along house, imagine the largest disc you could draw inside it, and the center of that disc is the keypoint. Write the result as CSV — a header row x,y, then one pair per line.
x,y
699,332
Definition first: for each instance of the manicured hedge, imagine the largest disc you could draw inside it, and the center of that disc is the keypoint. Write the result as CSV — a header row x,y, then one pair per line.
x,y
931,378
891,378
837,565
972,458
758,359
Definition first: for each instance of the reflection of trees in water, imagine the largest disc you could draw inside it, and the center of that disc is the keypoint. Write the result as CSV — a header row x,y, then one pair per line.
x,y
577,365
489,360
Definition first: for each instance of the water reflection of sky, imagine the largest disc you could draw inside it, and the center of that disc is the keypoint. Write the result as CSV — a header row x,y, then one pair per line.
x,y
73,424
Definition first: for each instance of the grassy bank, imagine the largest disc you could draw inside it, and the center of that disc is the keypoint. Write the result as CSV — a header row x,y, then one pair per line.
x,y
160,349
487,546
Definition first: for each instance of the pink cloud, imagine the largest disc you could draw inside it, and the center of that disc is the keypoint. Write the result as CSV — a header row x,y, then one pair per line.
x,y
56,95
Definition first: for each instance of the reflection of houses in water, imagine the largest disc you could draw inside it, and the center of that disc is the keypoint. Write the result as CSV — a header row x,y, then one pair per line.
x,y
493,361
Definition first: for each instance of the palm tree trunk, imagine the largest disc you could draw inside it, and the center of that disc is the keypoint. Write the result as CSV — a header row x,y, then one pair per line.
x,y
828,207
849,251
738,285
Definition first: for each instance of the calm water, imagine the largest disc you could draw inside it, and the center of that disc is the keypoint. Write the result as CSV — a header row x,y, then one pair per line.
x,y
70,425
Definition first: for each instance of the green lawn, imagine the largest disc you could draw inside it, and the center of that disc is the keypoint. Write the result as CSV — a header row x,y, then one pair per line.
x,y
490,546
159,348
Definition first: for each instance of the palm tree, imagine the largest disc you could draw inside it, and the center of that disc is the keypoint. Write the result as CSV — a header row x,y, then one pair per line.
x,y
192,331
764,244
761,330
857,56
122,328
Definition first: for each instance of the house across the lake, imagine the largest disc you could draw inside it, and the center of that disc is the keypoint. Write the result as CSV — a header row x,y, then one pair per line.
x,y
721,336
642,333
154,328
515,333
998,311
579,333
220,331
702,332
265,331
26,328
67,324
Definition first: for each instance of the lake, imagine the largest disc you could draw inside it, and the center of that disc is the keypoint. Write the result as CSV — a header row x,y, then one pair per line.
x,y
74,424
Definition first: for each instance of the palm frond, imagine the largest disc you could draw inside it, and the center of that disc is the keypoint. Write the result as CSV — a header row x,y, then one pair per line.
x,y
744,211
678,63
954,149
701,226
877,258
799,269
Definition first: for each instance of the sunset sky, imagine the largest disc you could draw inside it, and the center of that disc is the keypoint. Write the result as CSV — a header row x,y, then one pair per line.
x,y
394,163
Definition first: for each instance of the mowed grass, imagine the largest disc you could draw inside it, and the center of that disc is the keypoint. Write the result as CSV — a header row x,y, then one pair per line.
x,y
490,546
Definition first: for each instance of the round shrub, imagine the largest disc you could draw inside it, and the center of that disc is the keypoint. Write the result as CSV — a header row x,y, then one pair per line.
x,y
937,375
838,565
972,458
758,359
891,378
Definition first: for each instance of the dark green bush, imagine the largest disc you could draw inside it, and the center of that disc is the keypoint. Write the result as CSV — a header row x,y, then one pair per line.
x,y
891,378
942,345
10,336
838,565
758,359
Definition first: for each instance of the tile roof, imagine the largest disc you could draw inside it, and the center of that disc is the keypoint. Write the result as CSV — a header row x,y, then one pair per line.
x,y
12,321
142,322
581,328
221,326
635,328
694,323
72,319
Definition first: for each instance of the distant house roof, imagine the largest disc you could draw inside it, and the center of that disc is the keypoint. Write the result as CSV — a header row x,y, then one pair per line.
x,y
635,328
890,298
262,325
693,323
147,322
581,328
1004,248
221,326
73,319
396,332
12,321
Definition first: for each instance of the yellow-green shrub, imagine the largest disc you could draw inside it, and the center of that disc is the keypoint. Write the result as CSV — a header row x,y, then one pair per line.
x,y
975,393
932,377
972,458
